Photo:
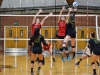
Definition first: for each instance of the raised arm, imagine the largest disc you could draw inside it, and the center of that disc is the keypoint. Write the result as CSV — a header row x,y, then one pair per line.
x,y
63,8
42,22
74,12
68,14
36,16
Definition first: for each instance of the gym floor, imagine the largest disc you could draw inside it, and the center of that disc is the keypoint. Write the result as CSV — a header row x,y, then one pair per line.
x,y
20,65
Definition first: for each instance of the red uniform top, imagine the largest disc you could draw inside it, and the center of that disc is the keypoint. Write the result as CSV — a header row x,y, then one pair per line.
x,y
46,47
34,26
62,28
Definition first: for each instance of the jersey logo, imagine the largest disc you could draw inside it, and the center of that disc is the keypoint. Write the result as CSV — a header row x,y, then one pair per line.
x,y
96,41
37,40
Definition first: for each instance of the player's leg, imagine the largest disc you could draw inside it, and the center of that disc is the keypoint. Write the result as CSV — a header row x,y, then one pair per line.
x,y
83,57
51,53
73,46
65,47
94,59
40,62
33,57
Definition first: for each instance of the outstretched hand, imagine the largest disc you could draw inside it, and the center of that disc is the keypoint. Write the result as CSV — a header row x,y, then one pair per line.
x,y
40,10
50,13
70,9
63,8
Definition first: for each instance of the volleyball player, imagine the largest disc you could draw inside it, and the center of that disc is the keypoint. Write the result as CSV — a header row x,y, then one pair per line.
x,y
62,31
36,23
49,48
36,40
95,47
70,32
87,53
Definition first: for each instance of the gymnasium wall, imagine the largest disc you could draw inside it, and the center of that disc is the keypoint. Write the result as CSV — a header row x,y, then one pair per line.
x,y
51,21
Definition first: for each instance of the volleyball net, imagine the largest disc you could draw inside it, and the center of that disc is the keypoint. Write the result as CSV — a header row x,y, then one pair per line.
x,y
15,36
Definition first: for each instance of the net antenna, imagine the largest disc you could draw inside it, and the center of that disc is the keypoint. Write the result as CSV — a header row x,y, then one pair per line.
x,y
87,29
33,2
44,2
87,22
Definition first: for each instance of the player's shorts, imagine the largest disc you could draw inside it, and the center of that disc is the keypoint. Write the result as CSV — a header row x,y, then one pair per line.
x,y
61,37
71,33
96,50
37,50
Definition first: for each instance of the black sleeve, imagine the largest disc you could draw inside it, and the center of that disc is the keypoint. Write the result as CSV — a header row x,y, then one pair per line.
x,y
73,16
30,41
42,39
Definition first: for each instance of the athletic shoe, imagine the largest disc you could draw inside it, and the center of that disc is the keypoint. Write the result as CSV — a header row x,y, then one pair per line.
x,y
63,59
68,58
32,73
77,64
38,72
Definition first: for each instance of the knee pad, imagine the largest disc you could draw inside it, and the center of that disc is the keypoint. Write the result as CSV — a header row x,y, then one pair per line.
x,y
92,63
61,49
64,48
32,62
73,46
40,61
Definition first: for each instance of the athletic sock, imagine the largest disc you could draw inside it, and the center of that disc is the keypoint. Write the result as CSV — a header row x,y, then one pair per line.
x,y
94,71
80,60
54,59
31,69
73,54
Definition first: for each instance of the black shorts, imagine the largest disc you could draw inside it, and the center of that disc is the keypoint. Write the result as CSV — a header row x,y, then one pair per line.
x,y
61,37
37,50
71,33
96,50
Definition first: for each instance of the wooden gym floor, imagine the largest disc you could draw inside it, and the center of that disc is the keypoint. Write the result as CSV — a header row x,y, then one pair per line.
x,y
20,65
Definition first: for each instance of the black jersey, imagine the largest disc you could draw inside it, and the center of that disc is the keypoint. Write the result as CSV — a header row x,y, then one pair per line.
x,y
38,40
70,30
94,44
71,22
71,25
37,47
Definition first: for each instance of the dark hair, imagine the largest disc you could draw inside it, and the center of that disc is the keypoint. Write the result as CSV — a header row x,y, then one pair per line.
x,y
36,32
92,34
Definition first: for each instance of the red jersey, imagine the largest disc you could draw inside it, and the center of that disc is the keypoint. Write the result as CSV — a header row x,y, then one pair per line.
x,y
34,26
46,47
62,28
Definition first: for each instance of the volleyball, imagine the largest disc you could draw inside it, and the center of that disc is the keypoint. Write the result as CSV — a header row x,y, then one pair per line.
x,y
75,4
